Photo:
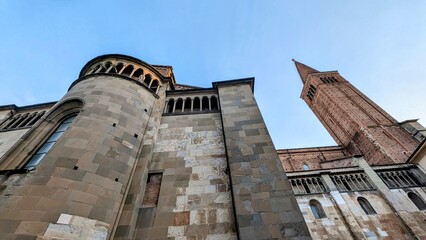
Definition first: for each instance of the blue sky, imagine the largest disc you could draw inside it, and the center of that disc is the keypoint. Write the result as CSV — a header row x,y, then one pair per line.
x,y
379,46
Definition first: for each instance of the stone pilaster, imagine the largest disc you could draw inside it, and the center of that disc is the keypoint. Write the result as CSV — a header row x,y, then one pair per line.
x,y
400,203
343,207
265,206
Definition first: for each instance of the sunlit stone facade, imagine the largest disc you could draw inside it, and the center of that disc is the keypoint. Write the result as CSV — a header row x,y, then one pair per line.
x,y
128,153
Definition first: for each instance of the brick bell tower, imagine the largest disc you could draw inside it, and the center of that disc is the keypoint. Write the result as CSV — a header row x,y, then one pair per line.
x,y
353,120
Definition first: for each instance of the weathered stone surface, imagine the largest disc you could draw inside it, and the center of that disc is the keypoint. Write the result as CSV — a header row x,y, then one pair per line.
x,y
194,172
7,139
75,227
134,166
256,171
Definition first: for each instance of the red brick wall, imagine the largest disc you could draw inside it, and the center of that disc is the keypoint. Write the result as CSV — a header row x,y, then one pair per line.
x,y
294,159
356,122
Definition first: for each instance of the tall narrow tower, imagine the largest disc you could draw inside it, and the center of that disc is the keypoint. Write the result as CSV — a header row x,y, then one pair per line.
x,y
352,119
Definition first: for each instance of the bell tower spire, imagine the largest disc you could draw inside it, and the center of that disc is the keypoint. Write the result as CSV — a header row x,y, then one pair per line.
x,y
353,120
304,70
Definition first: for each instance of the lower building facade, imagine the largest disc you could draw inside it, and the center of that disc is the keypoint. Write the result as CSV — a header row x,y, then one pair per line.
x,y
128,153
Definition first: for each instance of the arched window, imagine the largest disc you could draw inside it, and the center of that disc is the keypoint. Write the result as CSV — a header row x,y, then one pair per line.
x,y
112,69
306,167
187,107
311,92
170,105
138,73
147,80
197,104
94,69
119,66
102,69
154,86
366,206
214,103
107,66
418,201
128,70
205,104
316,209
179,105
42,151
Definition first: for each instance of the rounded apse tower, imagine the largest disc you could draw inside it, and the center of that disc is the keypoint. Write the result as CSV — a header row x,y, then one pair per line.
x,y
82,155
109,161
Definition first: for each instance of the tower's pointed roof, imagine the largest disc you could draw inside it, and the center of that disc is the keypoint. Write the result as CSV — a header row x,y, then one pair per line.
x,y
304,70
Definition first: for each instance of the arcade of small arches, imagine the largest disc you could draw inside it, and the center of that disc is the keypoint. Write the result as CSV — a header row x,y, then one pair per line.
x,y
128,70
328,79
21,120
192,104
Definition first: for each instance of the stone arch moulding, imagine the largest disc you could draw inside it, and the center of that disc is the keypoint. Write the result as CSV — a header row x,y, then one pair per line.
x,y
317,209
65,108
417,200
366,206
24,148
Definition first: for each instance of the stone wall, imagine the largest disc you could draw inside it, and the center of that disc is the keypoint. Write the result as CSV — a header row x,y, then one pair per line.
x,y
264,202
399,202
394,214
134,197
195,200
4,114
9,138
333,226
294,159
383,225
75,227
87,171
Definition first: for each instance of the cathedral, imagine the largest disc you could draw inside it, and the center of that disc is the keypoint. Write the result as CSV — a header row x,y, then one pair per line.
x,y
129,153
